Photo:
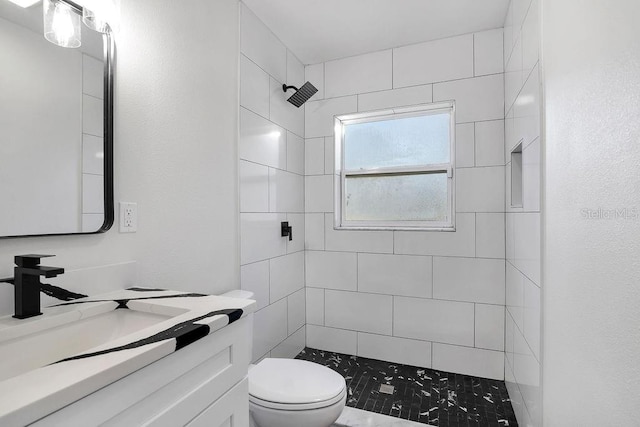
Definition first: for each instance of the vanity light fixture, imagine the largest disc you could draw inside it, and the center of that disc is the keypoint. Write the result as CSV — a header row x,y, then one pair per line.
x,y
61,24
24,3
99,15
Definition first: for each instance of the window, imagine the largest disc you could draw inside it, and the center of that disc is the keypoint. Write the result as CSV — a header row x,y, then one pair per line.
x,y
394,169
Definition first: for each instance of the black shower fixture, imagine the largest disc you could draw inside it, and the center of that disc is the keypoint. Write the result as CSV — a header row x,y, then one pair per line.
x,y
302,95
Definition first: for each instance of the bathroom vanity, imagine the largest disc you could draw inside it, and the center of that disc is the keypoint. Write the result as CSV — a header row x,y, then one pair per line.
x,y
131,357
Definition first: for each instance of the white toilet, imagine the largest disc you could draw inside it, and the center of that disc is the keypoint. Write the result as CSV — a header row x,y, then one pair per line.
x,y
293,393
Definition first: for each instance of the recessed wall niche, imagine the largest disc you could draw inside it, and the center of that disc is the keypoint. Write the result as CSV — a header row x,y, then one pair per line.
x,y
516,176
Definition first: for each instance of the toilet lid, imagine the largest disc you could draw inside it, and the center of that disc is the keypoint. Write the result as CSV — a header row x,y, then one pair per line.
x,y
290,381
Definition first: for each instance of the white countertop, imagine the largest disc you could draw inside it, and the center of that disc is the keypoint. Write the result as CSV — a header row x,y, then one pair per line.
x,y
31,395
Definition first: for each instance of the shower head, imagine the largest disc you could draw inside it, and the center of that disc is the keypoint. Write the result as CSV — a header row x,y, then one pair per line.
x,y
302,95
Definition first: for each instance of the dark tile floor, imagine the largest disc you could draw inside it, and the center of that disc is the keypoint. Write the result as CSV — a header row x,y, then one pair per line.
x,y
423,395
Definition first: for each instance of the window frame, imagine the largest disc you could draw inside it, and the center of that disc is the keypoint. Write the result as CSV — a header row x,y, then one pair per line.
x,y
340,174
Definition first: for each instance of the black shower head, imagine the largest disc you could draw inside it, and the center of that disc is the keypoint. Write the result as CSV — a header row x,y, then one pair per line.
x,y
302,95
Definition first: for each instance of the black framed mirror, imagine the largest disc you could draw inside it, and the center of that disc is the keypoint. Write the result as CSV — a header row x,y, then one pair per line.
x,y
56,128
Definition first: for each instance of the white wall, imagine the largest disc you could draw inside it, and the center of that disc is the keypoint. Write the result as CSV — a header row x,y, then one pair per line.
x,y
523,281
591,298
271,153
431,299
175,154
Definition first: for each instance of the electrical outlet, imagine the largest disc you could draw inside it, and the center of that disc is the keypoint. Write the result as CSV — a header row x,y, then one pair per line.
x,y
128,217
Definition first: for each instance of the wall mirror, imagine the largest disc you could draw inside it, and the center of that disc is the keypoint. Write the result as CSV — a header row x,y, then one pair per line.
x,y
56,128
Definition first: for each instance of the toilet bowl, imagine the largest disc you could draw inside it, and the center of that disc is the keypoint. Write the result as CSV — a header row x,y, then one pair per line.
x,y
293,393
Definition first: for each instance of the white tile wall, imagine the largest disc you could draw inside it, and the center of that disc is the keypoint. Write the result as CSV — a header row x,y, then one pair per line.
x,y
260,44
92,155
285,191
480,189
315,75
271,150
527,244
295,153
363,73
292,346
315,306
490,232
465,145
297,222
358,311
526,110
469,279
260,236
531,37
319,114
490,327
488,51
329,155
295,70
477,99
470,361
314,230
92,222
435,61
531,177
92,194
515,295
254,181
356,241
522,124
318,193
489,138
395,274
262,141
92,77
286,275
330,339
254,87
282,112
395,98
255,278
92,115
434,320
269,328
314,156
393,349
296,315
458,243
373,293
332,270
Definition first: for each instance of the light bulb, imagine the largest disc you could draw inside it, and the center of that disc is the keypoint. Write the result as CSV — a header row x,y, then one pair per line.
x,y
61,24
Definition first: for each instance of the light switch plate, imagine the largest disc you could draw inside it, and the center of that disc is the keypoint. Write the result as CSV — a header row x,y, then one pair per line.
x,y
128,217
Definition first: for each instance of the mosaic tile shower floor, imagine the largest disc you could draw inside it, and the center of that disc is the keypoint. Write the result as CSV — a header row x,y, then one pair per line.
x,y
422,395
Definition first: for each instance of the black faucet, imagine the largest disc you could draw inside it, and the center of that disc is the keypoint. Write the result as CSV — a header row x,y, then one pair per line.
x,y
27,284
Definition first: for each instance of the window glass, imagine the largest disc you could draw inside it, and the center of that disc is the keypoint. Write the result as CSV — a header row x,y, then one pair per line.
x,y
414,197
407,141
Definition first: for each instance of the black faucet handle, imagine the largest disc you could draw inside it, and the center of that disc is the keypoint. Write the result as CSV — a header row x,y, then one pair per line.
x,y
29,260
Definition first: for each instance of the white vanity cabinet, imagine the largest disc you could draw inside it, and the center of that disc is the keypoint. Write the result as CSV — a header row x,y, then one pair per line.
x,y
202,384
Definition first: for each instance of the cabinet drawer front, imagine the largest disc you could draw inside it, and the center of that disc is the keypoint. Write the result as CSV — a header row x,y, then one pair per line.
x,y
231,410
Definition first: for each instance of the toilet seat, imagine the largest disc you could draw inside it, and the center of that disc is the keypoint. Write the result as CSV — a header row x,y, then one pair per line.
x,y
298,406
294,385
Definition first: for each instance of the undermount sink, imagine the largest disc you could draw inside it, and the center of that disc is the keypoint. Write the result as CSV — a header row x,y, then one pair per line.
x,y
45,347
